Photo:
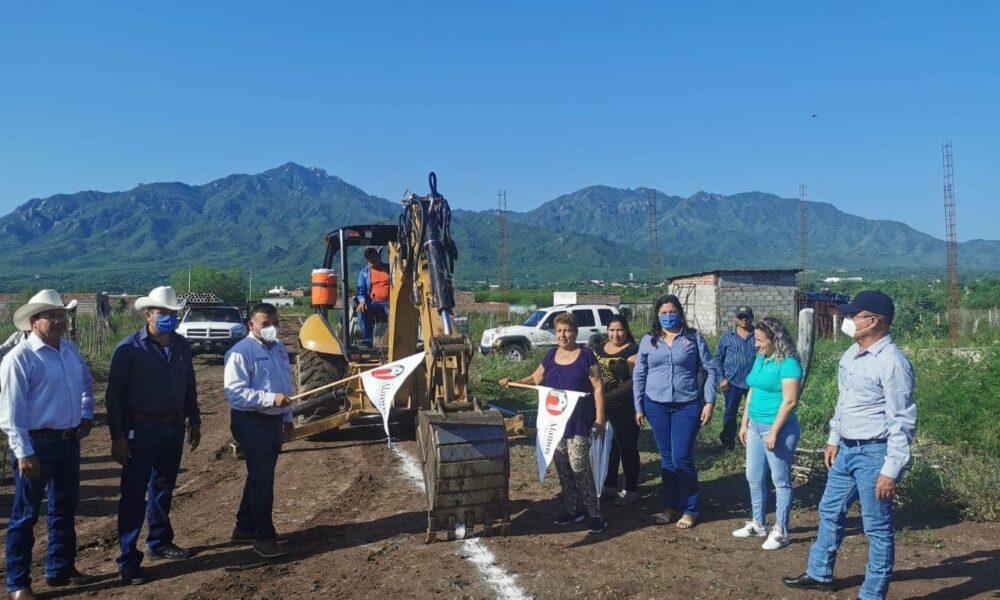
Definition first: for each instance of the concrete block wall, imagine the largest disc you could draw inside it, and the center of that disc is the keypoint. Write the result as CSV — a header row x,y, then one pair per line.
x,y
765,300
700,305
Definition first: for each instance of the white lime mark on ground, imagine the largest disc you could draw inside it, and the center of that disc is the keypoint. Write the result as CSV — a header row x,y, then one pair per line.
x,y
504,584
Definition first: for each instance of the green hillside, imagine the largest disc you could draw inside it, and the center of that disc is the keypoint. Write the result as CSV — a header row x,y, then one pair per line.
x,y
274,223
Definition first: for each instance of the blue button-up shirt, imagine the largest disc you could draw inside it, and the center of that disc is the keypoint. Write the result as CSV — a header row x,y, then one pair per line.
x,y
42,387
736,356
670,373
876,401
254,373
150,379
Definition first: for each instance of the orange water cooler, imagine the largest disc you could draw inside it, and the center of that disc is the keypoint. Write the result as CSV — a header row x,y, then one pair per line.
x,y
324,288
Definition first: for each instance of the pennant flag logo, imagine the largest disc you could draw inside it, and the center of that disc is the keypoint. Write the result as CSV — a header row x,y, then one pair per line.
x,y
558,407
382,383
388,374
555,402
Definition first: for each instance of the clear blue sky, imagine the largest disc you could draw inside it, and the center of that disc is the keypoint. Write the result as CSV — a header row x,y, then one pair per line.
x,y
541,98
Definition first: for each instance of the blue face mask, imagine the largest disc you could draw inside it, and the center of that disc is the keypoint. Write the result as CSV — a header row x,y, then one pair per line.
x,y
670,321
166,323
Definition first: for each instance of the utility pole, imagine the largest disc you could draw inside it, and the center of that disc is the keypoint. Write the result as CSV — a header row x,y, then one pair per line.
x,y
803,220
654,243
189,278
502,239
951,244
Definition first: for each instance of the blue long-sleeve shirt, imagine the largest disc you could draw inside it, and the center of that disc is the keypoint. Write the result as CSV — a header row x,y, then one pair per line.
x,y
876,402
149,379
670,373
42,387
254,373
735,357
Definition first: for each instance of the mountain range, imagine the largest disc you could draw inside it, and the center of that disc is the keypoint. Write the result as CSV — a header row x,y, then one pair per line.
x,y
274,223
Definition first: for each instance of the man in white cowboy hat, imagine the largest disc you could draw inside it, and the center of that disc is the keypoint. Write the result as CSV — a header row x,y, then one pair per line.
x,y
46,406
151,393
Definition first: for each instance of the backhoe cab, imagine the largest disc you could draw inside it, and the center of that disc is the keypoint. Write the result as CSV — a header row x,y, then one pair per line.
x,y
463,448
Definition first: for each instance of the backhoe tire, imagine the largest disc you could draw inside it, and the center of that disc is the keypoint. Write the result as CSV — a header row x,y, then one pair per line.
x,y
313,370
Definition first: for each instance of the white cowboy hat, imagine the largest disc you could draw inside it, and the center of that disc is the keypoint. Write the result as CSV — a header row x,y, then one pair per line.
x,y
39,303
161,297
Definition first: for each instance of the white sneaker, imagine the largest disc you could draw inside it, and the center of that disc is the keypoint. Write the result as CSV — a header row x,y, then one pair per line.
x,y
775,540
752,528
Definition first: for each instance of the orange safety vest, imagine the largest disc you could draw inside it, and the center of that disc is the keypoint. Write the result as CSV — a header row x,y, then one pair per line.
x,y
379,279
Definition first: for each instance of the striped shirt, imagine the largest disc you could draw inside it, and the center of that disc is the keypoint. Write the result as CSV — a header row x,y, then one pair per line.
x,y
736,356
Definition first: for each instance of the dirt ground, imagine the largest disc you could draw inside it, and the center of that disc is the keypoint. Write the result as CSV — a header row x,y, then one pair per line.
x,y
354,525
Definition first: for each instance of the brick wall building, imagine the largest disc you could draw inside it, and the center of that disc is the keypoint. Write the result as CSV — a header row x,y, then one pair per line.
x,y
710,298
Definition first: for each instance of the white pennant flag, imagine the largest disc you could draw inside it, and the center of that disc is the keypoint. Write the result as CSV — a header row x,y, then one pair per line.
x,y
554,410
382,383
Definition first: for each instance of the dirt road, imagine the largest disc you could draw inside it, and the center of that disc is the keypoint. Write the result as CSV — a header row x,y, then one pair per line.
x,y
354,522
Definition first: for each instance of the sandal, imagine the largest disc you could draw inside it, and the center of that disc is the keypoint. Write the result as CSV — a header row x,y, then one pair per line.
x,y
665,518
686,522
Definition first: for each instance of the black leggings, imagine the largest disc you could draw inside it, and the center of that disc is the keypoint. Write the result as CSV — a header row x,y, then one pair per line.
x,y
625,450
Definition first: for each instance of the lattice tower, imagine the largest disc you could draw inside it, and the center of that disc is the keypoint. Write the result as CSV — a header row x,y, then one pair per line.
x,y
654,240
951,237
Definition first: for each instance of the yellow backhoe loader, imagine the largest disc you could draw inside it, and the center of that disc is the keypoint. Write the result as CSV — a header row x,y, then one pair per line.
x,y
462,446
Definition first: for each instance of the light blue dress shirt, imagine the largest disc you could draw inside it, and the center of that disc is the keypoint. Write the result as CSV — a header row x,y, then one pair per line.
x,y
42,387
670,373
254,373
876,401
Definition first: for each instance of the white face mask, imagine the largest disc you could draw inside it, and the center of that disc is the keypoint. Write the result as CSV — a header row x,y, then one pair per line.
x,y
269,334
848,327
851,330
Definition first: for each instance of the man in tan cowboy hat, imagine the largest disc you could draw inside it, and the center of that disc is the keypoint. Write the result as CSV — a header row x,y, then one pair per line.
x,y
46,406
151,393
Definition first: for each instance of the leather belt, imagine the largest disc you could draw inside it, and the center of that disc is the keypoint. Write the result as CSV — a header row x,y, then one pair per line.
x,y
166,419
855,443
65,434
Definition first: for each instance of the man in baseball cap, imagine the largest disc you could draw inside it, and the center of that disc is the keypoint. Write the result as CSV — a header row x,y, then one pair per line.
x,y
869,446
46,406
735,355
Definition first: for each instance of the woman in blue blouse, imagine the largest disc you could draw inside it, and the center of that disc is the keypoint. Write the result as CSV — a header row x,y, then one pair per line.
x,y
667,393
770,430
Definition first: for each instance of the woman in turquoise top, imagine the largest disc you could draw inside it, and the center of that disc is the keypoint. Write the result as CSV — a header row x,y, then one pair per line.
x,y
770,430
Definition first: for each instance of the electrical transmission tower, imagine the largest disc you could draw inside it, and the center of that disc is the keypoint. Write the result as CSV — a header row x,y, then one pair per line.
x,y
803,221
502,239
654,243
951,237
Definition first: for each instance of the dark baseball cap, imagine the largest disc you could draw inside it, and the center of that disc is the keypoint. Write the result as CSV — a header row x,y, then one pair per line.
x,y
873,301
744,310
371,252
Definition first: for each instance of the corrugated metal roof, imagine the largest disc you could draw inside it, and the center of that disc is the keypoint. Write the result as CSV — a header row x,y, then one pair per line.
x,y
731,272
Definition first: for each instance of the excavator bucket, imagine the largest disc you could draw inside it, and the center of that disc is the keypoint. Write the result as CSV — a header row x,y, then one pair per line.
x,y
466,466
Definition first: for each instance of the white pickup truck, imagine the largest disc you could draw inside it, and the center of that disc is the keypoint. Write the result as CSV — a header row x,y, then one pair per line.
x,y
538,331
212,328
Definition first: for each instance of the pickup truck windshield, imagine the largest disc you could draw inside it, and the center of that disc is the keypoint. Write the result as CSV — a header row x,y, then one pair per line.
x,y
213,314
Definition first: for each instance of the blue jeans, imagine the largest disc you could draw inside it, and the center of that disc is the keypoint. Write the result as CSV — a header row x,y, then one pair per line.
x,y
260,437
675,427
60,460
147,487
374,311
760,460
851,478
733,397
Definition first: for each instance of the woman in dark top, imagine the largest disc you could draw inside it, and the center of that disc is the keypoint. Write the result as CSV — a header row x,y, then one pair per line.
x,y
616,358
667,392
570,366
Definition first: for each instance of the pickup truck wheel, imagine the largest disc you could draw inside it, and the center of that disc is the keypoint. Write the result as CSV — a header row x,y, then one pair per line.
x,y
515,351
312,370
